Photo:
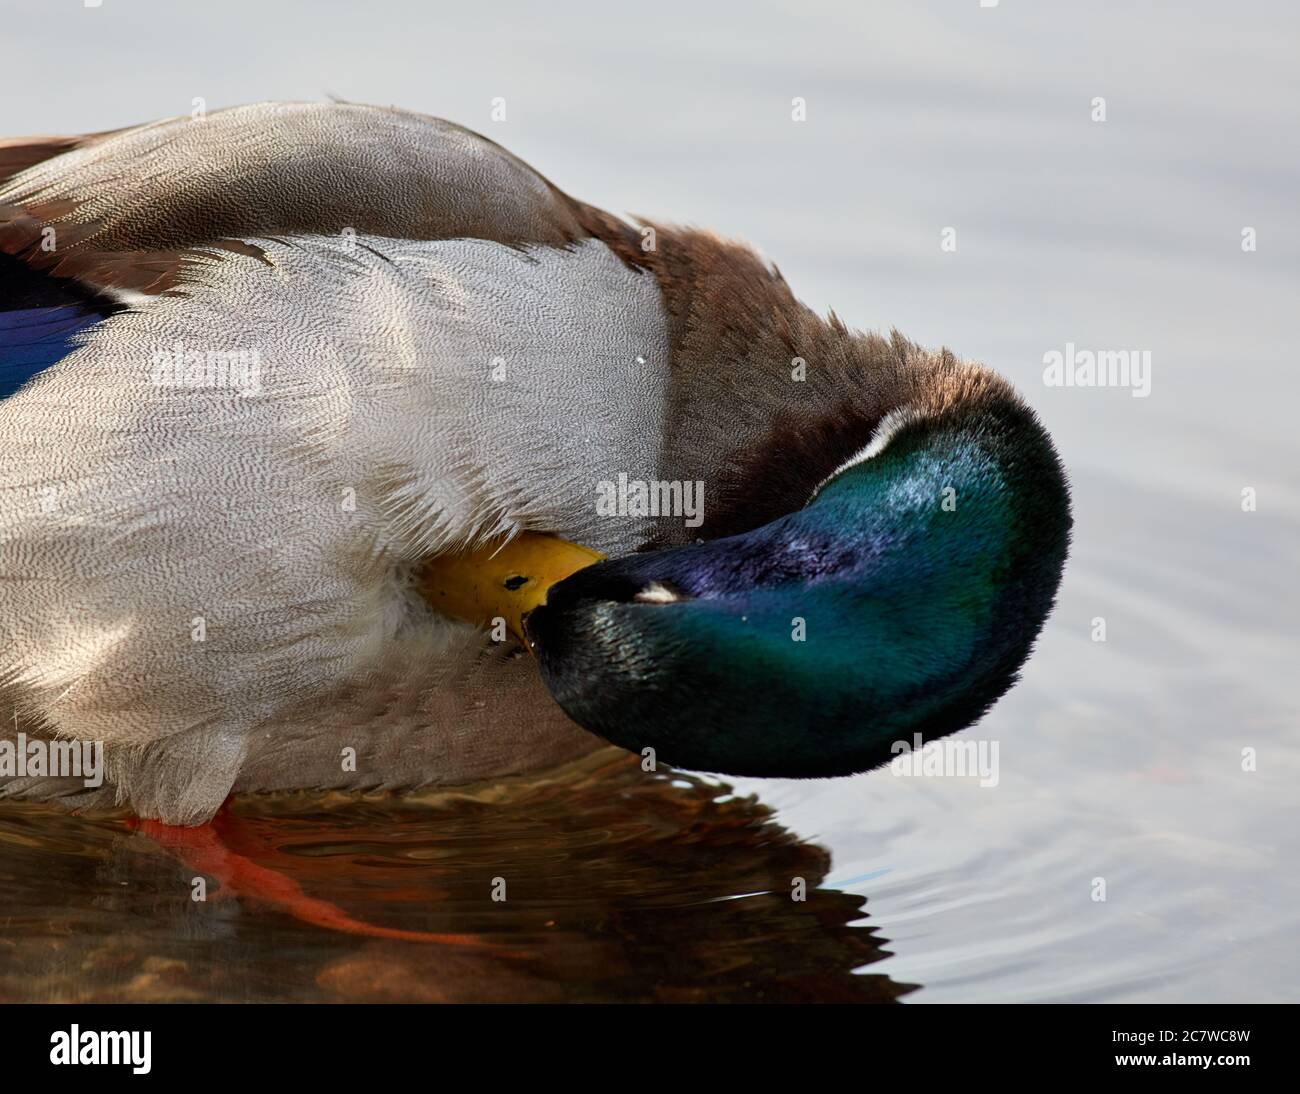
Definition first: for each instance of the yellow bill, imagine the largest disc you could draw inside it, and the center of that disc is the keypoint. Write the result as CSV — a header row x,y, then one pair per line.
x,y
501,580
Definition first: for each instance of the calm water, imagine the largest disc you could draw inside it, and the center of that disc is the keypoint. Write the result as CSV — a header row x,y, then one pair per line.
x,y
1119,760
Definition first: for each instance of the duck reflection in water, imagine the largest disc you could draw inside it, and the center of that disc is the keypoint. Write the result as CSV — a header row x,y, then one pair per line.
x,y
598,882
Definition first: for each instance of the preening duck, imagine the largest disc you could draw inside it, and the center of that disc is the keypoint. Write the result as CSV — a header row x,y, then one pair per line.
x,y
307,414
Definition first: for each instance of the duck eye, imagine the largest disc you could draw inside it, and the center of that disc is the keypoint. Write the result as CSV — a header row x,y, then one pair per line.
x,y
515,581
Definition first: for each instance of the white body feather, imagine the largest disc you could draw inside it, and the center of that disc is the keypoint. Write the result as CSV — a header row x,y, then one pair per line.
x,y
226,572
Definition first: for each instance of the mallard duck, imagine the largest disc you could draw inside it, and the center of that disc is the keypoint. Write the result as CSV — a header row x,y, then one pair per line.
x,y
311,417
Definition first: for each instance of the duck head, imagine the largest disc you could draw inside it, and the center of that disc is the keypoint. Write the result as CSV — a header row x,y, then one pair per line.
x,y
901,599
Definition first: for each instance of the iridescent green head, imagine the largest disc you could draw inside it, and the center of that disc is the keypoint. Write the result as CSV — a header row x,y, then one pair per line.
x,y
902,598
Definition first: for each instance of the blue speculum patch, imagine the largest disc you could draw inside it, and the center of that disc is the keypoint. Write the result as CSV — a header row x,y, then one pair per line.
x,y
33,339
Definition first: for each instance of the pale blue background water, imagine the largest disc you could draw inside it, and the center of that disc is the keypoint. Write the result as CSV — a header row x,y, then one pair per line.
x,y
1118,760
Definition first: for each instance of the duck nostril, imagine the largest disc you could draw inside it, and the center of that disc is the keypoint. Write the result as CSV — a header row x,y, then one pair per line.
x,y
515,581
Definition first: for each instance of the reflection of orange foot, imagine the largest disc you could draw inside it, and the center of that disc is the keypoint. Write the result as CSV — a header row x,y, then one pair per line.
x,y
202,850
